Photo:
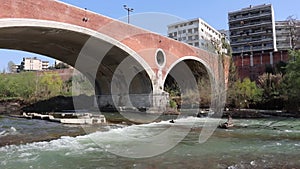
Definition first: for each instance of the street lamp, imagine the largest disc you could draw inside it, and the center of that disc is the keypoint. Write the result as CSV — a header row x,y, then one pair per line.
x,y
128,11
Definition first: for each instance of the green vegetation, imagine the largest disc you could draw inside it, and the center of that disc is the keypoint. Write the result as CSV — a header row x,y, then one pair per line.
x,y
35,86
173,104
246,93
30,86
291,81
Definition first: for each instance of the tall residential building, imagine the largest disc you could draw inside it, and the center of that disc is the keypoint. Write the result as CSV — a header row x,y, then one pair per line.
x,y
252,29
287,33
34,64
253,38
196,32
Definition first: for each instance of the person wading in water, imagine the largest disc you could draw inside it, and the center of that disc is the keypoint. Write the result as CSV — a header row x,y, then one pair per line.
x,y
227,124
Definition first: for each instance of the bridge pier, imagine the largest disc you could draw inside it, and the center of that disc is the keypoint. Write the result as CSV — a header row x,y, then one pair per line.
x,y
151,103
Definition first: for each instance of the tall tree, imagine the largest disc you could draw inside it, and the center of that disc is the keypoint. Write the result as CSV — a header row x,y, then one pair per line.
x,y
291,84
247,93
10,65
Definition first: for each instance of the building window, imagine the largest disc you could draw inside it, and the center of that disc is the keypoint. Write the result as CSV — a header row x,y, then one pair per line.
x,y
190,38
197,44
190,30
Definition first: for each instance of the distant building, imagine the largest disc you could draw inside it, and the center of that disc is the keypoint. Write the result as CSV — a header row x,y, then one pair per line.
x,y
287,34
15,68
226,35
196,32
34,64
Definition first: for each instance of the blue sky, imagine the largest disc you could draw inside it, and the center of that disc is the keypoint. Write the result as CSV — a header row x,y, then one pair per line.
x,y
214,12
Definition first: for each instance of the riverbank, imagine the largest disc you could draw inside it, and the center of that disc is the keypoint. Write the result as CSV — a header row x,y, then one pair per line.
x,y
253,113
12,106
85,103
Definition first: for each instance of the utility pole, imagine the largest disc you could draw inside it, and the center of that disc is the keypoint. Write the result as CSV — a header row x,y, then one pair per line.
x,y
128,11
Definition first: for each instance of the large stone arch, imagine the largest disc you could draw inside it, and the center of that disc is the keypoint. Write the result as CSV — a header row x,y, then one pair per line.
x,y
184,63
207,66
73,44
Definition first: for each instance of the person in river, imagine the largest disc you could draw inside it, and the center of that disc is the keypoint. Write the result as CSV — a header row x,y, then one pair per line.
x,y
228,123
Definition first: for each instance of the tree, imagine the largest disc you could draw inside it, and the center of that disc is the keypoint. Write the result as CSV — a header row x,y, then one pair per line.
x,y
271,86
292,32
10,66
61,65
291,85
246,93
17,85
232,79
49,85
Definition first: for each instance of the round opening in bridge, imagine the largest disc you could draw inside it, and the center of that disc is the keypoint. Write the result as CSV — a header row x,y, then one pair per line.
x,y
160,58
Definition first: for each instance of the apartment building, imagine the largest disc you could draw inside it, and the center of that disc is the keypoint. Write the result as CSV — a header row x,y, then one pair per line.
x,y
287,33
252,29
196,32
258,42
34,64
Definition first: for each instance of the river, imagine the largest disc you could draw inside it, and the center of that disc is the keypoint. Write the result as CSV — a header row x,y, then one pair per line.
x,y
252,143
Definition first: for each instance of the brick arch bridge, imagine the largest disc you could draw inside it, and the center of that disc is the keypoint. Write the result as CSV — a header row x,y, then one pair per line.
x,y
118,57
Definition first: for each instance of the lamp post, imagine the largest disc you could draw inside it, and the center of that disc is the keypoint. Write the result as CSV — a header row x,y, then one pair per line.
x,y
128,11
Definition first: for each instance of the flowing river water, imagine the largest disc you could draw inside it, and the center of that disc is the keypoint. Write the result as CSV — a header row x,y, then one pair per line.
x,y
252,143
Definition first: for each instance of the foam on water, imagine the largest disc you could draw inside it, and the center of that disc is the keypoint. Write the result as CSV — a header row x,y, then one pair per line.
x,y
9,131
98,144
86,143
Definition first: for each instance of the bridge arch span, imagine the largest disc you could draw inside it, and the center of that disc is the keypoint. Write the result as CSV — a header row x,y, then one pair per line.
x,y
20,25
199,79
94,54
194,58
